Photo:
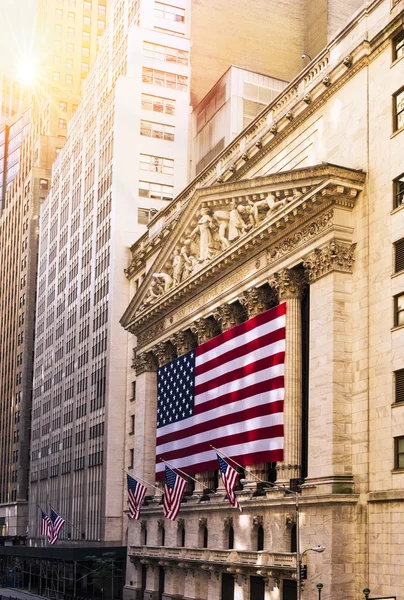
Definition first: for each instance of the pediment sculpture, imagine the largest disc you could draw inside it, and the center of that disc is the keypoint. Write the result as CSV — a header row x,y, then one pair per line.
x,y
215,230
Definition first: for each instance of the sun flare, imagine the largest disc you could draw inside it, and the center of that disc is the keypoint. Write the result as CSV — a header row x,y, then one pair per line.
x,y
26,70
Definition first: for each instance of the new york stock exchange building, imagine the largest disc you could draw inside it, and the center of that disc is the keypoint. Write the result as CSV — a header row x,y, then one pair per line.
x,y
303,210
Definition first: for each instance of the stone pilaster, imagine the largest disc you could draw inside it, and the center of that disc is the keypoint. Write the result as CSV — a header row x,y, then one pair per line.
x,y
290,285
229,315
205,329
257,300
330,366
164,352
183,342
146,414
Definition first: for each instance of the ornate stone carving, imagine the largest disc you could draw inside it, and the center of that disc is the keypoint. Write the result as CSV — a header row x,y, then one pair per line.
x,y
205,329
160,523
203,521
258,520
228,521
288,283
148,334
143,524
183,341
229,315
180,523
159,285
256,300
332,257
298,238
164,352
145,362
290,521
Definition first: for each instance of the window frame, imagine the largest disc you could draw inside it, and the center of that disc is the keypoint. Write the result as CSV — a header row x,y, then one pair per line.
x,y
397,194
397,454
397,312
396,113
399,37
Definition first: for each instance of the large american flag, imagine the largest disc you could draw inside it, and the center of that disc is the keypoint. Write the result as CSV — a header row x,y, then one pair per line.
x,y
227,393
57,524
136,494
174,488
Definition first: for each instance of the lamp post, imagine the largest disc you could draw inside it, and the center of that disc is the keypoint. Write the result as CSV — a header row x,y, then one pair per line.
x,y
319,587
366,592
298,555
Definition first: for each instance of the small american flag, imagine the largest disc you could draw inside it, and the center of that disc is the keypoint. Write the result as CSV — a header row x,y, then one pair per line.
x,y
229,477
136,494
46,524
229,389
57,523
174,487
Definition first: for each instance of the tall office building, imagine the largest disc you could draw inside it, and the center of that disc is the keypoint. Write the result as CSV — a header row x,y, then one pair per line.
x,y
33,133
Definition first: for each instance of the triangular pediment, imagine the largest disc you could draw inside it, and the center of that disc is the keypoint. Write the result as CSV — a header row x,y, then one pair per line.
x,y
219,225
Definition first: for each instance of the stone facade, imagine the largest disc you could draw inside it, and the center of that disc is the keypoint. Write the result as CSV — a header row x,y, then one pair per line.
x,y
276,220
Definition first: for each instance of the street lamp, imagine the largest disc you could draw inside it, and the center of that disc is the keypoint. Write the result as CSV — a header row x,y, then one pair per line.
x,y
298,555
319,587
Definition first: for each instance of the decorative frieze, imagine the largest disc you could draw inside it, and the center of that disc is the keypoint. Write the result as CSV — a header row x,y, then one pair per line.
x,y
145,362
229,315
183,341
257,300
205,329
289,283
164,352
143,337
335,256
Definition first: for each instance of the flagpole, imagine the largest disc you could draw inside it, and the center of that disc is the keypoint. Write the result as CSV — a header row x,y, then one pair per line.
x,y
144,480
67,520
183,472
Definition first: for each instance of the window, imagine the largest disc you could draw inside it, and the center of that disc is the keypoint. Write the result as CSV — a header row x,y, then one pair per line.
x,y
102,9
398,46
132,425
164,79
399,256
87,21
69,63
58,28
101,24
70,31
158,52
398,185
133,385
62,124
399,310
399,385
399,452
157,104
69,78
56,76
72,2
171,13
56,60
63,106
231,537
84,67
70,47
205,537
85,51
86,36
59,13
160,191
156,164
71,16
87,5
157,130
398,106
58,45
260,538
131,458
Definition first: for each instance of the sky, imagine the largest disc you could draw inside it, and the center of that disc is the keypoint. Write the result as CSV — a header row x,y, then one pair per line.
x,y
17,20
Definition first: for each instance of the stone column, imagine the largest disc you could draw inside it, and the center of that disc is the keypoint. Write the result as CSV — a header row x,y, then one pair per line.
x,y
204,330
290,286
146,415
255,302
330,365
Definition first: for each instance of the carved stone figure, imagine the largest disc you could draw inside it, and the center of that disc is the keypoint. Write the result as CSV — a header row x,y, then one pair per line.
x,y
190,261
204,230
270,203
236,224
178,267
222,219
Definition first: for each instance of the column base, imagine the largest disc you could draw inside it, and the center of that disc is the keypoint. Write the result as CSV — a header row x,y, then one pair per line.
x,y
333,484
131,593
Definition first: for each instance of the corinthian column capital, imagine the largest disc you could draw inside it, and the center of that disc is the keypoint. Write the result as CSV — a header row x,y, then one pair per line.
x,y
164,352
145,362
288,283
256,300
205,329
183,341
229,315
332,257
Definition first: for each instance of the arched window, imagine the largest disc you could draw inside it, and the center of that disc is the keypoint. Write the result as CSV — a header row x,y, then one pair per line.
x,y
260,538
231,538
205,537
